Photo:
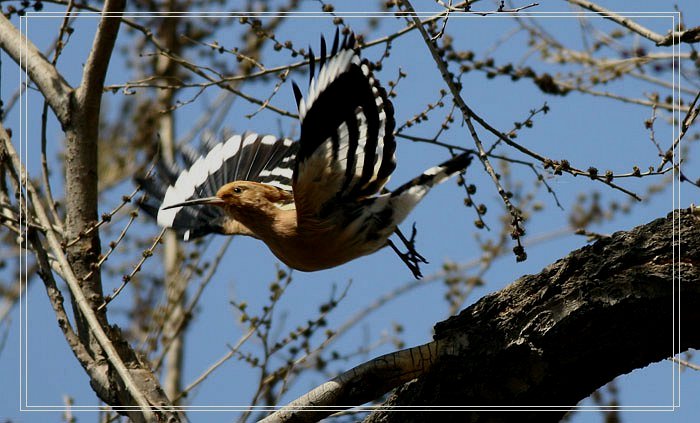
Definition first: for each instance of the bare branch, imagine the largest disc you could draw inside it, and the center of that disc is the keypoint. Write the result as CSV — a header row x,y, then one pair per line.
x,y
52,85
516,218
627,23
469,114
359,385
82,303
691,35
693,111
89,93
81,161
56,299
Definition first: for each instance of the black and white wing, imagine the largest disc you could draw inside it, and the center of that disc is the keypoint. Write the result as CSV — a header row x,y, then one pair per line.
x,y
249,157
347,147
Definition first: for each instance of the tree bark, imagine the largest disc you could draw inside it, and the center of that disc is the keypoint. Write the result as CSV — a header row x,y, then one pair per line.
x,y
551,339
82,134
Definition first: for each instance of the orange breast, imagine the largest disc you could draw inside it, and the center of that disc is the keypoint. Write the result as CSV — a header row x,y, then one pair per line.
x,y
323,249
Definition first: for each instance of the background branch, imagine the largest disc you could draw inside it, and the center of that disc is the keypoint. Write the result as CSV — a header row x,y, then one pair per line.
x,y
691,35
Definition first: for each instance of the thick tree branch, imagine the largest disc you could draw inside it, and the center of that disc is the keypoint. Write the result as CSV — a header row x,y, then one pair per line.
x,y
555,337
604,310
81,166
54,88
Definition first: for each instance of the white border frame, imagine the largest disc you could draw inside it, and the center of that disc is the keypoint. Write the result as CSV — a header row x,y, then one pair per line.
x,y
23,148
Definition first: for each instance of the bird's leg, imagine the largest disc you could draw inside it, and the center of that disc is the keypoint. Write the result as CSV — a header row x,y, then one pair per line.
x,y
411,257
411,244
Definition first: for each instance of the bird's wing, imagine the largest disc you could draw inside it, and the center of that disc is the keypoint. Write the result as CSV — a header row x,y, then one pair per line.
x,y
249,157
347,146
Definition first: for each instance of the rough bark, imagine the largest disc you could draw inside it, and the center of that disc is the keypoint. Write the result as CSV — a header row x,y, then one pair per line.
x,y
555,337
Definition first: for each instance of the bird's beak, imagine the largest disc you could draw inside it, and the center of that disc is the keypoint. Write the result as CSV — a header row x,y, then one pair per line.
x,y
197,201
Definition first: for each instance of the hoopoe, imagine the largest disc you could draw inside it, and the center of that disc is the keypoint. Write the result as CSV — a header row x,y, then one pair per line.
x,y
316,203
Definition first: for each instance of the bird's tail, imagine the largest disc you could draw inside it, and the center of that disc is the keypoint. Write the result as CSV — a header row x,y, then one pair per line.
x,y
421,184
405,198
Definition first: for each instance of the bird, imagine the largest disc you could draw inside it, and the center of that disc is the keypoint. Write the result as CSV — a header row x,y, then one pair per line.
x,y
318,202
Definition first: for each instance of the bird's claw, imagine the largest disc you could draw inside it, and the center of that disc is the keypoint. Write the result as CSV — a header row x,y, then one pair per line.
x,y
411,257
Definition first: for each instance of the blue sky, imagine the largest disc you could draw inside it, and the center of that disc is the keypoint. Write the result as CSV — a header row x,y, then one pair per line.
x,y
590,131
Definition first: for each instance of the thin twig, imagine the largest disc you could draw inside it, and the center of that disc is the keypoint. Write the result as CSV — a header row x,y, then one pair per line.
x,y
467,114
127,278
266,103
440,33
112,246
685,363
189,310
232,351
105,218
693,111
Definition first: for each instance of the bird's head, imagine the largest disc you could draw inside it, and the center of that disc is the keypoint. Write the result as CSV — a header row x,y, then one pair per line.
x,y
241,196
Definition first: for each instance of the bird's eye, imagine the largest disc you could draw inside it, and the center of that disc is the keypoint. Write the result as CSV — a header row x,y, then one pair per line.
x,y
237,190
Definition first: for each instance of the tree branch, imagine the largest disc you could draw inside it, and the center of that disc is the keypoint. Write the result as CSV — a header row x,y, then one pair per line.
x,y
89,94
54,88
689,36
116,374
469,114
81,302
358,385
81,166
515,347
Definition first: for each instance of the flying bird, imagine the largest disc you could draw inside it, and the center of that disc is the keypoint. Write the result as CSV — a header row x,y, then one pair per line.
x,y
319,202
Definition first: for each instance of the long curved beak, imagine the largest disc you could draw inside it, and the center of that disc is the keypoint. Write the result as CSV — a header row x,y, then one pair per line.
x,y
197,201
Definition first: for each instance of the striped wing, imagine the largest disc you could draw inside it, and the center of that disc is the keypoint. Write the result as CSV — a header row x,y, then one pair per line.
x,y
347,146
249,157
